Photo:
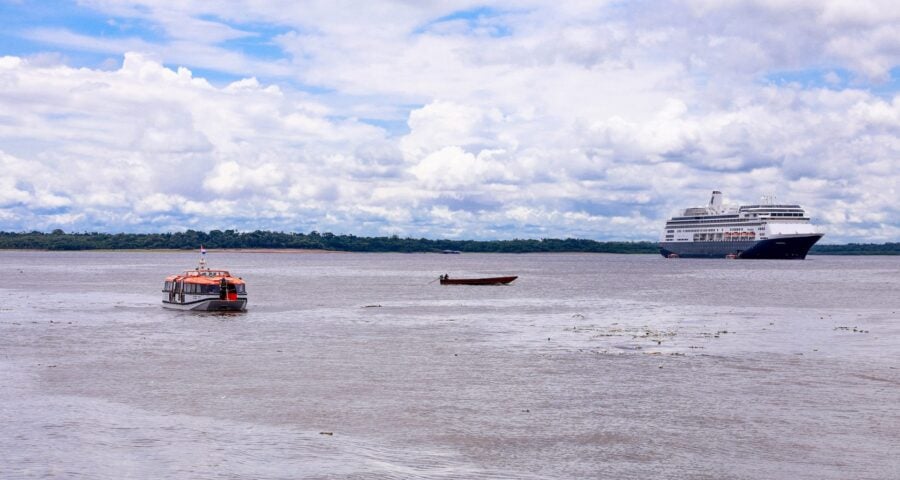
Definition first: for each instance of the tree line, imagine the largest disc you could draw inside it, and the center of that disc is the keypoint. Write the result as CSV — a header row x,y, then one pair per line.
x,y
192,239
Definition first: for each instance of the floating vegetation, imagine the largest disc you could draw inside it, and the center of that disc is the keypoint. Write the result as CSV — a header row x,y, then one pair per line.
x,y
678,340
851,329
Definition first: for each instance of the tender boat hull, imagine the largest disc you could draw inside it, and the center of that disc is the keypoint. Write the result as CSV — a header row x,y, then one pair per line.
x,y
209,305
780,248
478,281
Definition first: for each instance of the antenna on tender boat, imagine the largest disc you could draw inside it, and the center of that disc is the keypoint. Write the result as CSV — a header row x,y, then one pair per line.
x,y
202,264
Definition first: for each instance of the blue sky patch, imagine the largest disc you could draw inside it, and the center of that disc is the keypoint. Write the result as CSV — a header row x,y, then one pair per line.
x,y
23,21
836,79
811,78
394,127
478,21
65,15
258,43
888,88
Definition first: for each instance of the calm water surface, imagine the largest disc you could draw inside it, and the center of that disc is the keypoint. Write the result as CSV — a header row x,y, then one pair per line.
x,y
587,366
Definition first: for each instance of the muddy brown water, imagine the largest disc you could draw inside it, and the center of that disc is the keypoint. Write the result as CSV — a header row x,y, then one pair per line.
x,y
363,366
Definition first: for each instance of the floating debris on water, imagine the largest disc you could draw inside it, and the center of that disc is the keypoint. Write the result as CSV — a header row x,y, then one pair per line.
x,y
851,329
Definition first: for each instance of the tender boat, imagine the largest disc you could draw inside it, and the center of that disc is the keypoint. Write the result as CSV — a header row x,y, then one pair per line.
x,y
204,289
446,280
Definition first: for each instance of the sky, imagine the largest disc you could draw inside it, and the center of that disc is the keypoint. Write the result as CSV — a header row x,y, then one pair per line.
x,y
446,119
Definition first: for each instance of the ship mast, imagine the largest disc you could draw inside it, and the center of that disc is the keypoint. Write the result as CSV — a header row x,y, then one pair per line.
x,y
202,264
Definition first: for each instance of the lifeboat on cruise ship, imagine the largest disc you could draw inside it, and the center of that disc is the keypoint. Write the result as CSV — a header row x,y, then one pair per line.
x,y
205,289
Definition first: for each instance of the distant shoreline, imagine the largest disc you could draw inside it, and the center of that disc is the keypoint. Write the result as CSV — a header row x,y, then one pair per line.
x,y
315,242
842,250
178,250
302,251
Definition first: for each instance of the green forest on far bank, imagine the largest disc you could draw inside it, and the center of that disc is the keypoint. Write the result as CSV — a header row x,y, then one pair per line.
x,y
191,240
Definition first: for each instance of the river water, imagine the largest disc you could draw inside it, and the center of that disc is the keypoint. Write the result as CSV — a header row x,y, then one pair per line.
x,y
362,366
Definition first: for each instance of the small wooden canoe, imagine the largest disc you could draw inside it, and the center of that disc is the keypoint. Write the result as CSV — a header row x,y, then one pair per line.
x,y
478,281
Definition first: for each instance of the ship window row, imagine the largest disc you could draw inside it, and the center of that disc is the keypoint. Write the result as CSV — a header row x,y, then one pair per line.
x,y
728,237
717,225
731,225
718,220
706,218
715,230
753,218
771,207
203,289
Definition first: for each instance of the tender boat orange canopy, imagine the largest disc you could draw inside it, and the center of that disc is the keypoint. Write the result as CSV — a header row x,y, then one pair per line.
x,y
205,277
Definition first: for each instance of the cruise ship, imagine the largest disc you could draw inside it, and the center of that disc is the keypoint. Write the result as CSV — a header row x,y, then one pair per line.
x,y
767,230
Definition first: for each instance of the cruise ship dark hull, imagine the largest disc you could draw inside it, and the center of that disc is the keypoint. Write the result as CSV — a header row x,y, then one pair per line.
x,y
784,248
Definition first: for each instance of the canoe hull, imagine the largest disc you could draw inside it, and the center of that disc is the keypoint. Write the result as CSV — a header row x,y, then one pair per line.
x,y
478,281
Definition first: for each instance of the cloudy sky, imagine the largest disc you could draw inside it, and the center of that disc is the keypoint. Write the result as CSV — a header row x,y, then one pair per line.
x,y
446,119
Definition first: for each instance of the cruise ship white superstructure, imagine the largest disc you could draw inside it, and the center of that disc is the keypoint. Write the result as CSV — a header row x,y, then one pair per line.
x,y
765,230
